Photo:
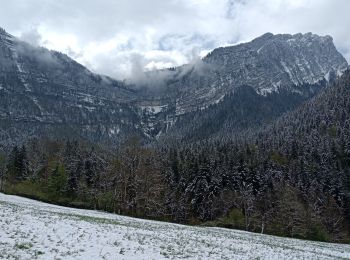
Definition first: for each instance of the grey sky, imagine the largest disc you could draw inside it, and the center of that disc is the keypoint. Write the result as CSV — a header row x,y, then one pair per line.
x,y
118,37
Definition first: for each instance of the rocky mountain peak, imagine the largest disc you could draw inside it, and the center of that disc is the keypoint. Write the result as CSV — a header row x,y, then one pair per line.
x,y
283,60
264,37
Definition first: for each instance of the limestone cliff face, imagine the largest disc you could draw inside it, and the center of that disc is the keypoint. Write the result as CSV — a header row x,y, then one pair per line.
x,y
267,64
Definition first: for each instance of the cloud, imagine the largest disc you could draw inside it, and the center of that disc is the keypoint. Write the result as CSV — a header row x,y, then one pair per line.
x,y
39,56
252,18
32,36
122,38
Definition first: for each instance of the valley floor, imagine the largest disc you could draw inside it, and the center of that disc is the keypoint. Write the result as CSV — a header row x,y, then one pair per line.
x,y
34,230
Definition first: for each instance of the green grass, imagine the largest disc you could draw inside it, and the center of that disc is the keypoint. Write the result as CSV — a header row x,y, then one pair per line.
x,y
24,246
34,190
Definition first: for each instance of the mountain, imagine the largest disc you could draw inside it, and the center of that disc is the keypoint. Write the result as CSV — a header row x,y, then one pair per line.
x,y
45,93
267,63
246,85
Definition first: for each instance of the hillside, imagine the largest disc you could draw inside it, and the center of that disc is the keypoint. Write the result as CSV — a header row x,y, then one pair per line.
x,y
35,230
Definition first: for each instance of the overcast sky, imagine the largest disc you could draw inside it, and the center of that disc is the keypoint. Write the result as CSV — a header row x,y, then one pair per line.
x,y
120,37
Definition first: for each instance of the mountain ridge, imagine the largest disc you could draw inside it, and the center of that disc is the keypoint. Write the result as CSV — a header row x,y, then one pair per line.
x,y
41,90
268,64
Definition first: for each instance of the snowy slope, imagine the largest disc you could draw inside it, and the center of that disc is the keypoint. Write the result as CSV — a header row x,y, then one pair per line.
x,y
36,230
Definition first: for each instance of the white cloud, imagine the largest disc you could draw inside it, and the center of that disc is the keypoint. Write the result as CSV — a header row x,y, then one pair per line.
x,y
107,35
324,17
32,36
